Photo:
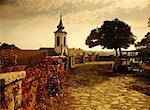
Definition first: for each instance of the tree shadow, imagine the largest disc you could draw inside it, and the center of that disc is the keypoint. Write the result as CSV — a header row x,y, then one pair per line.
x,y
141,84
89,75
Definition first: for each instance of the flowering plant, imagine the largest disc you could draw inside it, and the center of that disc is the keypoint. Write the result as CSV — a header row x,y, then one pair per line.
x,y
41,80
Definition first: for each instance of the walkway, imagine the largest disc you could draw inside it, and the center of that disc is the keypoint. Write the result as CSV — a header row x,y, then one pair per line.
x,y
94,87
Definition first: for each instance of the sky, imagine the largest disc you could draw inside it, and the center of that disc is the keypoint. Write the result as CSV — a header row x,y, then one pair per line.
x,y
30,24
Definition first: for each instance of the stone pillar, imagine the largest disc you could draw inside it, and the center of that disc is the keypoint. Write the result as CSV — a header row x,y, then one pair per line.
x,y
72,61
67,67
83,57
90,58
66,63
97,57
0,62
69,62
93,56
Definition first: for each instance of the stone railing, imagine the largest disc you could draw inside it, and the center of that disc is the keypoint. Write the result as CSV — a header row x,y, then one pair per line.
x,y
73,60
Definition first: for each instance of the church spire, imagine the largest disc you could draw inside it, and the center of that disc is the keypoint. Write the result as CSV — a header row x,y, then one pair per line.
x,y
60,26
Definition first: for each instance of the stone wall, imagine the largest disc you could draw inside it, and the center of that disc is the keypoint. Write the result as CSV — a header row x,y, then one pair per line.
x,y
26,88
11,90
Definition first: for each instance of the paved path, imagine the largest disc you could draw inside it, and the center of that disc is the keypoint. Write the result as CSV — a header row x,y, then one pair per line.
x,y
92,88
95,87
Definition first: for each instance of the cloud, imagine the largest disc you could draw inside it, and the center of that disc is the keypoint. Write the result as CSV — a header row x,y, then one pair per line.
x,y
30,19
25,8
21,9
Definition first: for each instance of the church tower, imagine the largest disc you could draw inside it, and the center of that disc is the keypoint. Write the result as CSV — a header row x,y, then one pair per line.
x,y
60,39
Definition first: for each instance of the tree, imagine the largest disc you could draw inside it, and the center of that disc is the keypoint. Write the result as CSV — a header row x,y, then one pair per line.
x,y
145,42
113,34
7,46
144,47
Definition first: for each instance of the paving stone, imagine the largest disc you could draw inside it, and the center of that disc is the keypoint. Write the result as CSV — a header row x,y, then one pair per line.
x,y
128,104
113,94
124,107
123,90
88,108
115,102
107,106
94,102
133,109
83,102
115,106
140,102
100,108
84,94
135,99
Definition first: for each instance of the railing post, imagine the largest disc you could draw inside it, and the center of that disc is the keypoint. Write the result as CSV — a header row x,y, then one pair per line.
x,y
73,61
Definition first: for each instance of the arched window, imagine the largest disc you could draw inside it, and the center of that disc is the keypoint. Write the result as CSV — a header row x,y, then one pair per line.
x,y
58,40
64,41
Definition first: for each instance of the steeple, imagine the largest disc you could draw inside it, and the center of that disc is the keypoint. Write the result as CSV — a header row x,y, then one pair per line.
x,y
60,26
60,38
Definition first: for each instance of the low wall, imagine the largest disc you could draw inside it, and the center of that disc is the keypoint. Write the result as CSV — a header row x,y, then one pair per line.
x,y
104,58
35,85
78,59
11,90
73,60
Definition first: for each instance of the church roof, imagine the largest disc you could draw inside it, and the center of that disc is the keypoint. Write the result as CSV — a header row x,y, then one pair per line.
x,y
25,57
60,26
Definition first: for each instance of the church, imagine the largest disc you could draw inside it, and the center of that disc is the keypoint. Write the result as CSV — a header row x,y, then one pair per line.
x,y
60,46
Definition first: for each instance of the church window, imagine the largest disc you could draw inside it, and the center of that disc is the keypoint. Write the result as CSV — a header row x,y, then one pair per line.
x,y
64,41
58,40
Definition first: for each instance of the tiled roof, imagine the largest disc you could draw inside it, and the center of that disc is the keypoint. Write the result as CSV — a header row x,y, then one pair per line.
x,y
46,48
25,57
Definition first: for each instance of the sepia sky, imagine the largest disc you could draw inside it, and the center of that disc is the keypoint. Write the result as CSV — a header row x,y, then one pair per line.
x,y
30,24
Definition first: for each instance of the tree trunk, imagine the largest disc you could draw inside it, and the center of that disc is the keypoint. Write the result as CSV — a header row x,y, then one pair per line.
x,y
116,52
120,52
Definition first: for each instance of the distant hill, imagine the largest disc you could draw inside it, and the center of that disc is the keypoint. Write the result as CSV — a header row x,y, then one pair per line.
x,y
7,46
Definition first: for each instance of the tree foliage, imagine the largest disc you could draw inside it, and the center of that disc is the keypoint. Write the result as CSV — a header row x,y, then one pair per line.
x,y
145,42
113,34
7,46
